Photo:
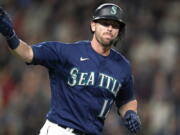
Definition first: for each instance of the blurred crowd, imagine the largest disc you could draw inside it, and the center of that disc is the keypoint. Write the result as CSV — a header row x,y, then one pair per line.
x,y
151,43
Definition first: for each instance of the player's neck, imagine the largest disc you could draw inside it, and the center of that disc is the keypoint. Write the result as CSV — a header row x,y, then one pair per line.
x,y
100,49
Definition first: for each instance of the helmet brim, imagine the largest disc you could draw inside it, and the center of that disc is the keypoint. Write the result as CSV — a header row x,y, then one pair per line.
x,y
109,18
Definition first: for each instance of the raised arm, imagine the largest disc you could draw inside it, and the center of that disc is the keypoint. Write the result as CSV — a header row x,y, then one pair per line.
x,y
19,48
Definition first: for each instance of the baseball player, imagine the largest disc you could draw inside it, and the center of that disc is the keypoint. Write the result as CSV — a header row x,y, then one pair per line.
x,y
86,77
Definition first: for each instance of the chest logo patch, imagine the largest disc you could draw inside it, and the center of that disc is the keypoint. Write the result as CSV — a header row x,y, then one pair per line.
x,y
83,59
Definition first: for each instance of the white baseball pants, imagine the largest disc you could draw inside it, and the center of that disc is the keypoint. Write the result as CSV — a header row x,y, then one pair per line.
x,y
50,128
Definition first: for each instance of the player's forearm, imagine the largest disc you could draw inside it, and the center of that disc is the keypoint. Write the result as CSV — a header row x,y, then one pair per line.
x,y
132,105
23,52
130,116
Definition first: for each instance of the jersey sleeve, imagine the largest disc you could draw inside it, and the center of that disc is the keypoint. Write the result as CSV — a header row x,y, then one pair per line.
x,y
47,54
126,92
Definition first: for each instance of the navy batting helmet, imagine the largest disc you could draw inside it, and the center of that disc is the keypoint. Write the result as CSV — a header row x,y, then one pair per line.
x,y
110,11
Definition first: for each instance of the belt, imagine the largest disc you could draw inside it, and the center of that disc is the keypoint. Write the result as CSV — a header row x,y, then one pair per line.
x,y
75,131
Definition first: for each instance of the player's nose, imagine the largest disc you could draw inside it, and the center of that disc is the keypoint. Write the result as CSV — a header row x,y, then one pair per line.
x,y
110,27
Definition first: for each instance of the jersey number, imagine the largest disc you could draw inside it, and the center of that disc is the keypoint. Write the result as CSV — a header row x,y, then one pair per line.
x,y
105,108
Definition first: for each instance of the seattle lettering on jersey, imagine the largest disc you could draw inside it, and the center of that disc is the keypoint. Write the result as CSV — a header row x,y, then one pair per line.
x,y
89,79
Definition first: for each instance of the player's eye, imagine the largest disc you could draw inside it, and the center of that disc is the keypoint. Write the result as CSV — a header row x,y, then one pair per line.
x,y
115,25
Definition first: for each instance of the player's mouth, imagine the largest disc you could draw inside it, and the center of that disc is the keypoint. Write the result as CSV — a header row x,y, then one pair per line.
x,y
108,36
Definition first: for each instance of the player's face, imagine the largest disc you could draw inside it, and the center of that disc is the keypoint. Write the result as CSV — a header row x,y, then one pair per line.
x,y
105,31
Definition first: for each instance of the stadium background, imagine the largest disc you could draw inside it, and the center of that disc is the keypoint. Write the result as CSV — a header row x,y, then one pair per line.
x,y
152,44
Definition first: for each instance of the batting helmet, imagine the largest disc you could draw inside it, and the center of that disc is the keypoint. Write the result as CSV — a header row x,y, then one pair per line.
x,y
110,11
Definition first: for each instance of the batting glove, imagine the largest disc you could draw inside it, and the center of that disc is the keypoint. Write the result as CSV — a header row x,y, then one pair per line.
x,y
6,29
132,121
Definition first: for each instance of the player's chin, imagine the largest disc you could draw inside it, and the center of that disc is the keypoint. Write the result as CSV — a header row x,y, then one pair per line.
x,y
108,42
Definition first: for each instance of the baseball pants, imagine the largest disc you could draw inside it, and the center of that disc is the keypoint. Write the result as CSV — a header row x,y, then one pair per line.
x,y
50,128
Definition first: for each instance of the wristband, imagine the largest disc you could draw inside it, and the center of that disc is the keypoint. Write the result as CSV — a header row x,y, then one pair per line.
x,y
13,41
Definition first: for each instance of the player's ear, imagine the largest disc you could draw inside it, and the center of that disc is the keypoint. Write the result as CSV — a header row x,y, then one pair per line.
x,y
93,26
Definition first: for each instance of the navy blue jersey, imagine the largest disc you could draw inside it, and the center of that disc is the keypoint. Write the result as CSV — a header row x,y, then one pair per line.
x,y
84,84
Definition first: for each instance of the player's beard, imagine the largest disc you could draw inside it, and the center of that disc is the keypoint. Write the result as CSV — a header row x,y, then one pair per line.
x,y
104,42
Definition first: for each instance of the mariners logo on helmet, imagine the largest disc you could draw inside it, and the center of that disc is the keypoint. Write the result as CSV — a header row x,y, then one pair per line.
x,y
114,10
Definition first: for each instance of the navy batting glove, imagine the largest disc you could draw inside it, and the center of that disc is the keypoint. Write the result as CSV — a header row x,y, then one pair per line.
x,y
6,29
132,121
